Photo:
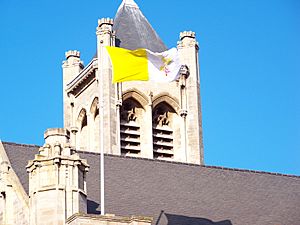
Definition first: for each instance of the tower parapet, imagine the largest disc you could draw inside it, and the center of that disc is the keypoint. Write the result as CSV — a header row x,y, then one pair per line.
x,y
105,32
103,21
187,39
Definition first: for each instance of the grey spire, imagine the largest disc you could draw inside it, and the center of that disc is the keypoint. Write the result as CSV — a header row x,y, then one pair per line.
x,y
133,29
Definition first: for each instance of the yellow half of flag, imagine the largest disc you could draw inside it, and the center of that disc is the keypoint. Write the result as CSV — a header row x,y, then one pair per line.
x,y
144,65
128,64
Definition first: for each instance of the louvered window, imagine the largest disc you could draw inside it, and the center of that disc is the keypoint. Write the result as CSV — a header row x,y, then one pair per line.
x,y
162,132
130,128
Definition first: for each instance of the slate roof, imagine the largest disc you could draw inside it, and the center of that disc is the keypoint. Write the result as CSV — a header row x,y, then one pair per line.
x,y
133,29
184,194
18,155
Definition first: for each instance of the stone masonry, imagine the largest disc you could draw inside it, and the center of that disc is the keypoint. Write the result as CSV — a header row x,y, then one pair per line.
x,y
140,119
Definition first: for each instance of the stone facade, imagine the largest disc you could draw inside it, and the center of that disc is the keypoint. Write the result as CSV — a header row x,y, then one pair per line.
x,y
14,202
141,119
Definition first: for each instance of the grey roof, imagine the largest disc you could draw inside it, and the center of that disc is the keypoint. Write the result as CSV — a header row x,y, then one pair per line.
x,y
133,29
18,155
184,194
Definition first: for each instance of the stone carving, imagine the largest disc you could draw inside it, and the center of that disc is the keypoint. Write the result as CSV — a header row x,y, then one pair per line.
x,y
162,119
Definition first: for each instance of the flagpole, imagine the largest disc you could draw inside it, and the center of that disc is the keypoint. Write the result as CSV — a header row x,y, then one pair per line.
x,y
102,160
101,127
105,37
118,98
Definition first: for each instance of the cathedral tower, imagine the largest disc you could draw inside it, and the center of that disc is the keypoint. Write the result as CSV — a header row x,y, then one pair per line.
x,y
140,119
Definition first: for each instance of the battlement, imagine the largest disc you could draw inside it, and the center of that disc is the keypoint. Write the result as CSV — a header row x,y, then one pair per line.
x,y
107,21
185,34
72,53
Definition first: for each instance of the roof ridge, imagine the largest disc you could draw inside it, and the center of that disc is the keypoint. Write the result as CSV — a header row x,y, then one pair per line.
x,y
19,144
196,165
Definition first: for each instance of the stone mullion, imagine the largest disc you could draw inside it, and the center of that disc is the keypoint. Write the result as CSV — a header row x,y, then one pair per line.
x,y
90,146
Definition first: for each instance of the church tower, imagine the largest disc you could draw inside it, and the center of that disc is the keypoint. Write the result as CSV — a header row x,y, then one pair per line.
x,y
139,119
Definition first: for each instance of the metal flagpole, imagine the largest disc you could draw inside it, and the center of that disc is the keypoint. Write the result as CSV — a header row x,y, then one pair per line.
x,y
104,38
102,157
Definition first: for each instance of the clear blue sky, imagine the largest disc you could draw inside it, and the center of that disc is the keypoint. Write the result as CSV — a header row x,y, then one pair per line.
x,y
250,70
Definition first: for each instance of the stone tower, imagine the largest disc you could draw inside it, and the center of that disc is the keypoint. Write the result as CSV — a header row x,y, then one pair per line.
x,y
57,181
140,119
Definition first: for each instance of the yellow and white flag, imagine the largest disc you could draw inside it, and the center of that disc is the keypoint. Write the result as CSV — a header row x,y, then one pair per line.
x,y
144,65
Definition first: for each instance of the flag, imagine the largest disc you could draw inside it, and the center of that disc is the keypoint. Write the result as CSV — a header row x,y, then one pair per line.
x,y
142,64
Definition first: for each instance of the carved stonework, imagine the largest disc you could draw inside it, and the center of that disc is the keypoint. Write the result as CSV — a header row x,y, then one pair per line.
x,y
105,26
162,120
128,113
187,39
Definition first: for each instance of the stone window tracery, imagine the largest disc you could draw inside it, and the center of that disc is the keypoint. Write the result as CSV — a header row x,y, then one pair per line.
x,y
163,131
130,117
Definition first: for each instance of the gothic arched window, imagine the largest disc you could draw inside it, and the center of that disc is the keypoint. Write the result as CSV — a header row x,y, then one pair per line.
x,y
94,126
131,118
82,120
163,115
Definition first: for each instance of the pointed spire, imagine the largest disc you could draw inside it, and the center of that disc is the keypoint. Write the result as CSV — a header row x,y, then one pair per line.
x,y
133,29
129,3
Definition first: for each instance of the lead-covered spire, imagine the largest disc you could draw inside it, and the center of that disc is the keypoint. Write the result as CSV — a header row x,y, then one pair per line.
x,y
133,29
130,3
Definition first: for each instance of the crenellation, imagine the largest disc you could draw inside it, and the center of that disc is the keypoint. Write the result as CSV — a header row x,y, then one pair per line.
x,y
185,34
103,21
72,53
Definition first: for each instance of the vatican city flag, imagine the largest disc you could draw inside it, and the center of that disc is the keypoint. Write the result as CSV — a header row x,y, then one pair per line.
x,y
144,65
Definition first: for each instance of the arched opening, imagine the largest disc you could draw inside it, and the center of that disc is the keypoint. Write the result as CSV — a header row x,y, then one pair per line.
x,y
131,118
163,121
95,124
83,129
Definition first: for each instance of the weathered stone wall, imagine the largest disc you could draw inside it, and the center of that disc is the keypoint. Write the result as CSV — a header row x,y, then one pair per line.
x,y
57,181
14,207
94,82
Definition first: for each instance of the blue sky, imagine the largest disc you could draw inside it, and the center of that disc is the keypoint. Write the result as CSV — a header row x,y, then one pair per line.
x,y
249,62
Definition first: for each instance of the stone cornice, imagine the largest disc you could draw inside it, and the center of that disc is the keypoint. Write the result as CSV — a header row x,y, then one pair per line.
x,y
40,160
110,218
84,75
